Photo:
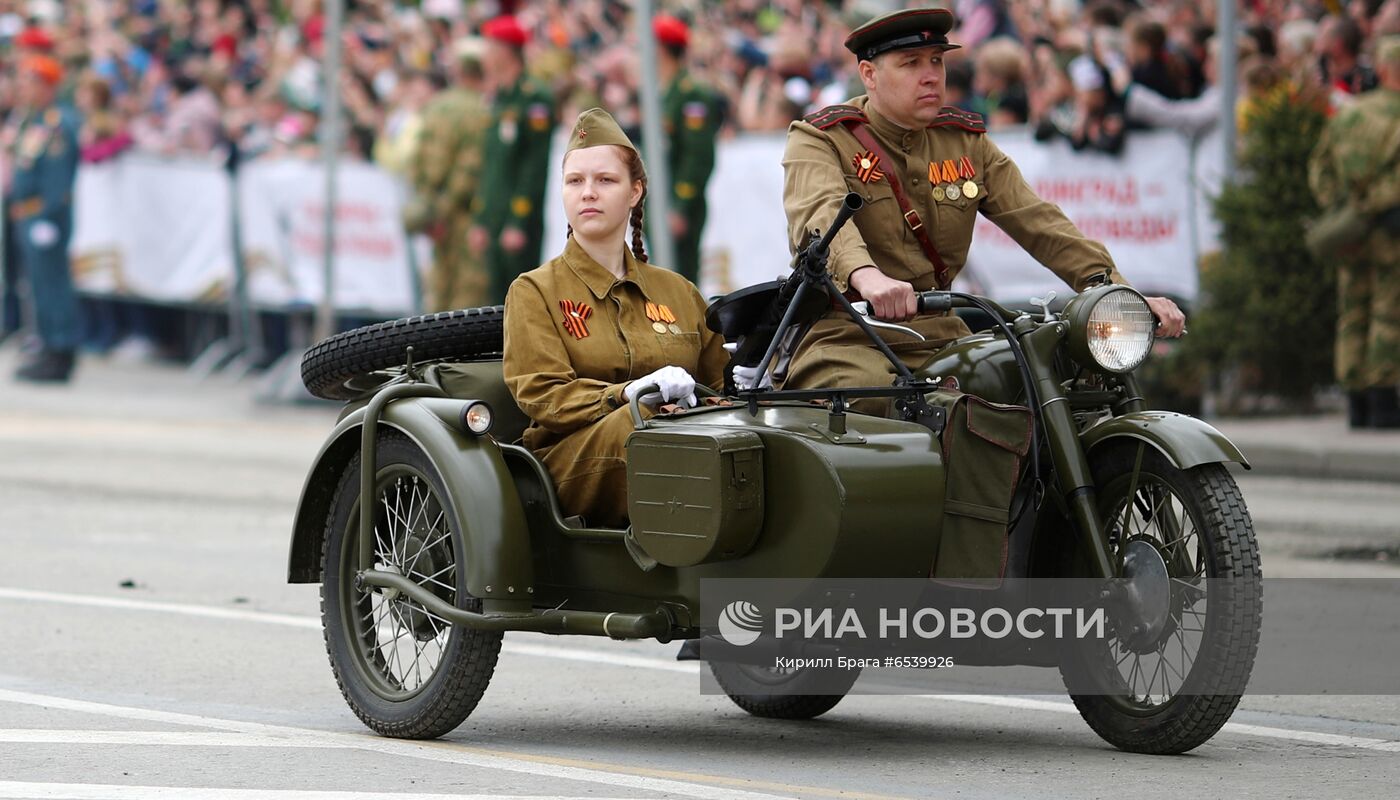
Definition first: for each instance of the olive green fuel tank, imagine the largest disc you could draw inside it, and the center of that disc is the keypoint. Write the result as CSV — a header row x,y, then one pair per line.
x,y
983,364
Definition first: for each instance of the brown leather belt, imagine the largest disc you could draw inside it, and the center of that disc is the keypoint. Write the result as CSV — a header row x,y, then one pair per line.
x,y
911,217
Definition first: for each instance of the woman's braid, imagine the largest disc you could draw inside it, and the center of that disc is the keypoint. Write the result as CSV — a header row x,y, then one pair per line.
x,y
638,249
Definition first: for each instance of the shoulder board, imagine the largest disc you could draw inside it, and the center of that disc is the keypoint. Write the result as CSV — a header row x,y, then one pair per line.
x,y
834,115
953,117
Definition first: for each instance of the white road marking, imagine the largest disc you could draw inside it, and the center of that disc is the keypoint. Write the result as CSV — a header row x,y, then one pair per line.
x,y
446,752
1312,737
149,738
644,662
600,657
189,610
111,791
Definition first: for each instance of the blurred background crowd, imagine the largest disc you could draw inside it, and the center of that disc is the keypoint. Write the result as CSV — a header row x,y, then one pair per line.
x,y
171,76
239,80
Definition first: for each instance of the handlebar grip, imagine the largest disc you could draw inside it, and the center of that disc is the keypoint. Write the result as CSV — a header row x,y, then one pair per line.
x,y
935,302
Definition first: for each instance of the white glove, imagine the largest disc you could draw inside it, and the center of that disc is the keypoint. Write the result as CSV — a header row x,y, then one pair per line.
x,y
676,387
747,377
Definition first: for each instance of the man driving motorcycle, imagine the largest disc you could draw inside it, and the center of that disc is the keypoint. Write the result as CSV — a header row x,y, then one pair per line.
x,y
925,171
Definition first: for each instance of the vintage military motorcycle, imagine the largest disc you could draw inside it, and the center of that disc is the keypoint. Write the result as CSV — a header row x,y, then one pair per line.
x,y
433,532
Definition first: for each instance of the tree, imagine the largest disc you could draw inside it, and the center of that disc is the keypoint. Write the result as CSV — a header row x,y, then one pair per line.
x,y
1269,314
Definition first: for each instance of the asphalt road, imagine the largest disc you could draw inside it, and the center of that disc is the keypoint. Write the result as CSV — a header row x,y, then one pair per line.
x,y
152,649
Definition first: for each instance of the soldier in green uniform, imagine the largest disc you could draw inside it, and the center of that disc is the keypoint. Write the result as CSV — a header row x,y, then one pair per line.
x,y
926,170
1357,164
444,170
43,164
509,205
692,114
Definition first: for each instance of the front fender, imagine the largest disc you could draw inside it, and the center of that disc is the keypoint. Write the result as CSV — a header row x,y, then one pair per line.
x,y
481,496
1186,441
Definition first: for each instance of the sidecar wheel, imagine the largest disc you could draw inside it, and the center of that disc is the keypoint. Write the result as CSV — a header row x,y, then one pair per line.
x,y
405,671
1150,690
342,367
805,693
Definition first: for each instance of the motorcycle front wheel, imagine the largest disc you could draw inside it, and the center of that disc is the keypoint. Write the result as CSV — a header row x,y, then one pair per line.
x,y
405,671
1152,688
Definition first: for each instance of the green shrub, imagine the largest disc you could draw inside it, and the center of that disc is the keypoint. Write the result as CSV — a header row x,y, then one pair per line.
x,y
1267,312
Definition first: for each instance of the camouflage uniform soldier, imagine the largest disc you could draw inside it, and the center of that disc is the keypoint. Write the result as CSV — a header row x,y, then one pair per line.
x,y
39,201
444,170
926,171
509,207
692,115
1357,162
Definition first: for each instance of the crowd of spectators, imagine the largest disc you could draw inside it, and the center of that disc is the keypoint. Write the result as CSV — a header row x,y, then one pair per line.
x,y
178,76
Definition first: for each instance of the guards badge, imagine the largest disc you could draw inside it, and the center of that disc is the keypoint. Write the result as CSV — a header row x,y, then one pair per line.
x,y
867,167
576,317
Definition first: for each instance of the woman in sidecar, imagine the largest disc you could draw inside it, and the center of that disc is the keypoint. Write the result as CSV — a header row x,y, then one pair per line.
x,y
590,327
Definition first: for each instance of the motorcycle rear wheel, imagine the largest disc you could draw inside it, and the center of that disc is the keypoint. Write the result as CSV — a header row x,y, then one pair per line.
x,y
1149,698
802,693
405,672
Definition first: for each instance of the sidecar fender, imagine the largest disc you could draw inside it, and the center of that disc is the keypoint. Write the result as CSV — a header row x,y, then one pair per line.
x,y
1186,441
480,495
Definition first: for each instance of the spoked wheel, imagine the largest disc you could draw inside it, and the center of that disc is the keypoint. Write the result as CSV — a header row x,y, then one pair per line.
x,y
1167,680
779,693
405,671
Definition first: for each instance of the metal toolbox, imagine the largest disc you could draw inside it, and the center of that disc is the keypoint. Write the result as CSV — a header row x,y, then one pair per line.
x,y
696,495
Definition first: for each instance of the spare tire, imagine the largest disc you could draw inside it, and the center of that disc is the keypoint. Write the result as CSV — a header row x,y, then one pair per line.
x,y
330,367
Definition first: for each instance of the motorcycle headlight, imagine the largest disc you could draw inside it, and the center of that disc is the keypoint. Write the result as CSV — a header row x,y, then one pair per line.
x,y
1111,328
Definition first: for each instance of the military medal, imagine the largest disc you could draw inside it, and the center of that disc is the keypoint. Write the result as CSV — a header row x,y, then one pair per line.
x,y
669,318
969,189
952,192
662,320
866,167
507,129
540,117
938,194
576,317
695,113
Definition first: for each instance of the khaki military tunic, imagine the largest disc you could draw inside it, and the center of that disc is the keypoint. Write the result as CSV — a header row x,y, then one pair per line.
x,y
950,172
575,336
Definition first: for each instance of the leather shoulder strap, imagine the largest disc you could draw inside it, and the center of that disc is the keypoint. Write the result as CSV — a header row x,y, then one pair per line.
x,y
911,216
953,117
832,116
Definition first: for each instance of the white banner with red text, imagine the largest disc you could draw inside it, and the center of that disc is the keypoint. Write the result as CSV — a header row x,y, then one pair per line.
x,y
1149,205
162,229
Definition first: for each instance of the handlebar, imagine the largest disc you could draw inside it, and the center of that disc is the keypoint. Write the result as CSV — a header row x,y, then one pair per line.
x,y
937,302
934,302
